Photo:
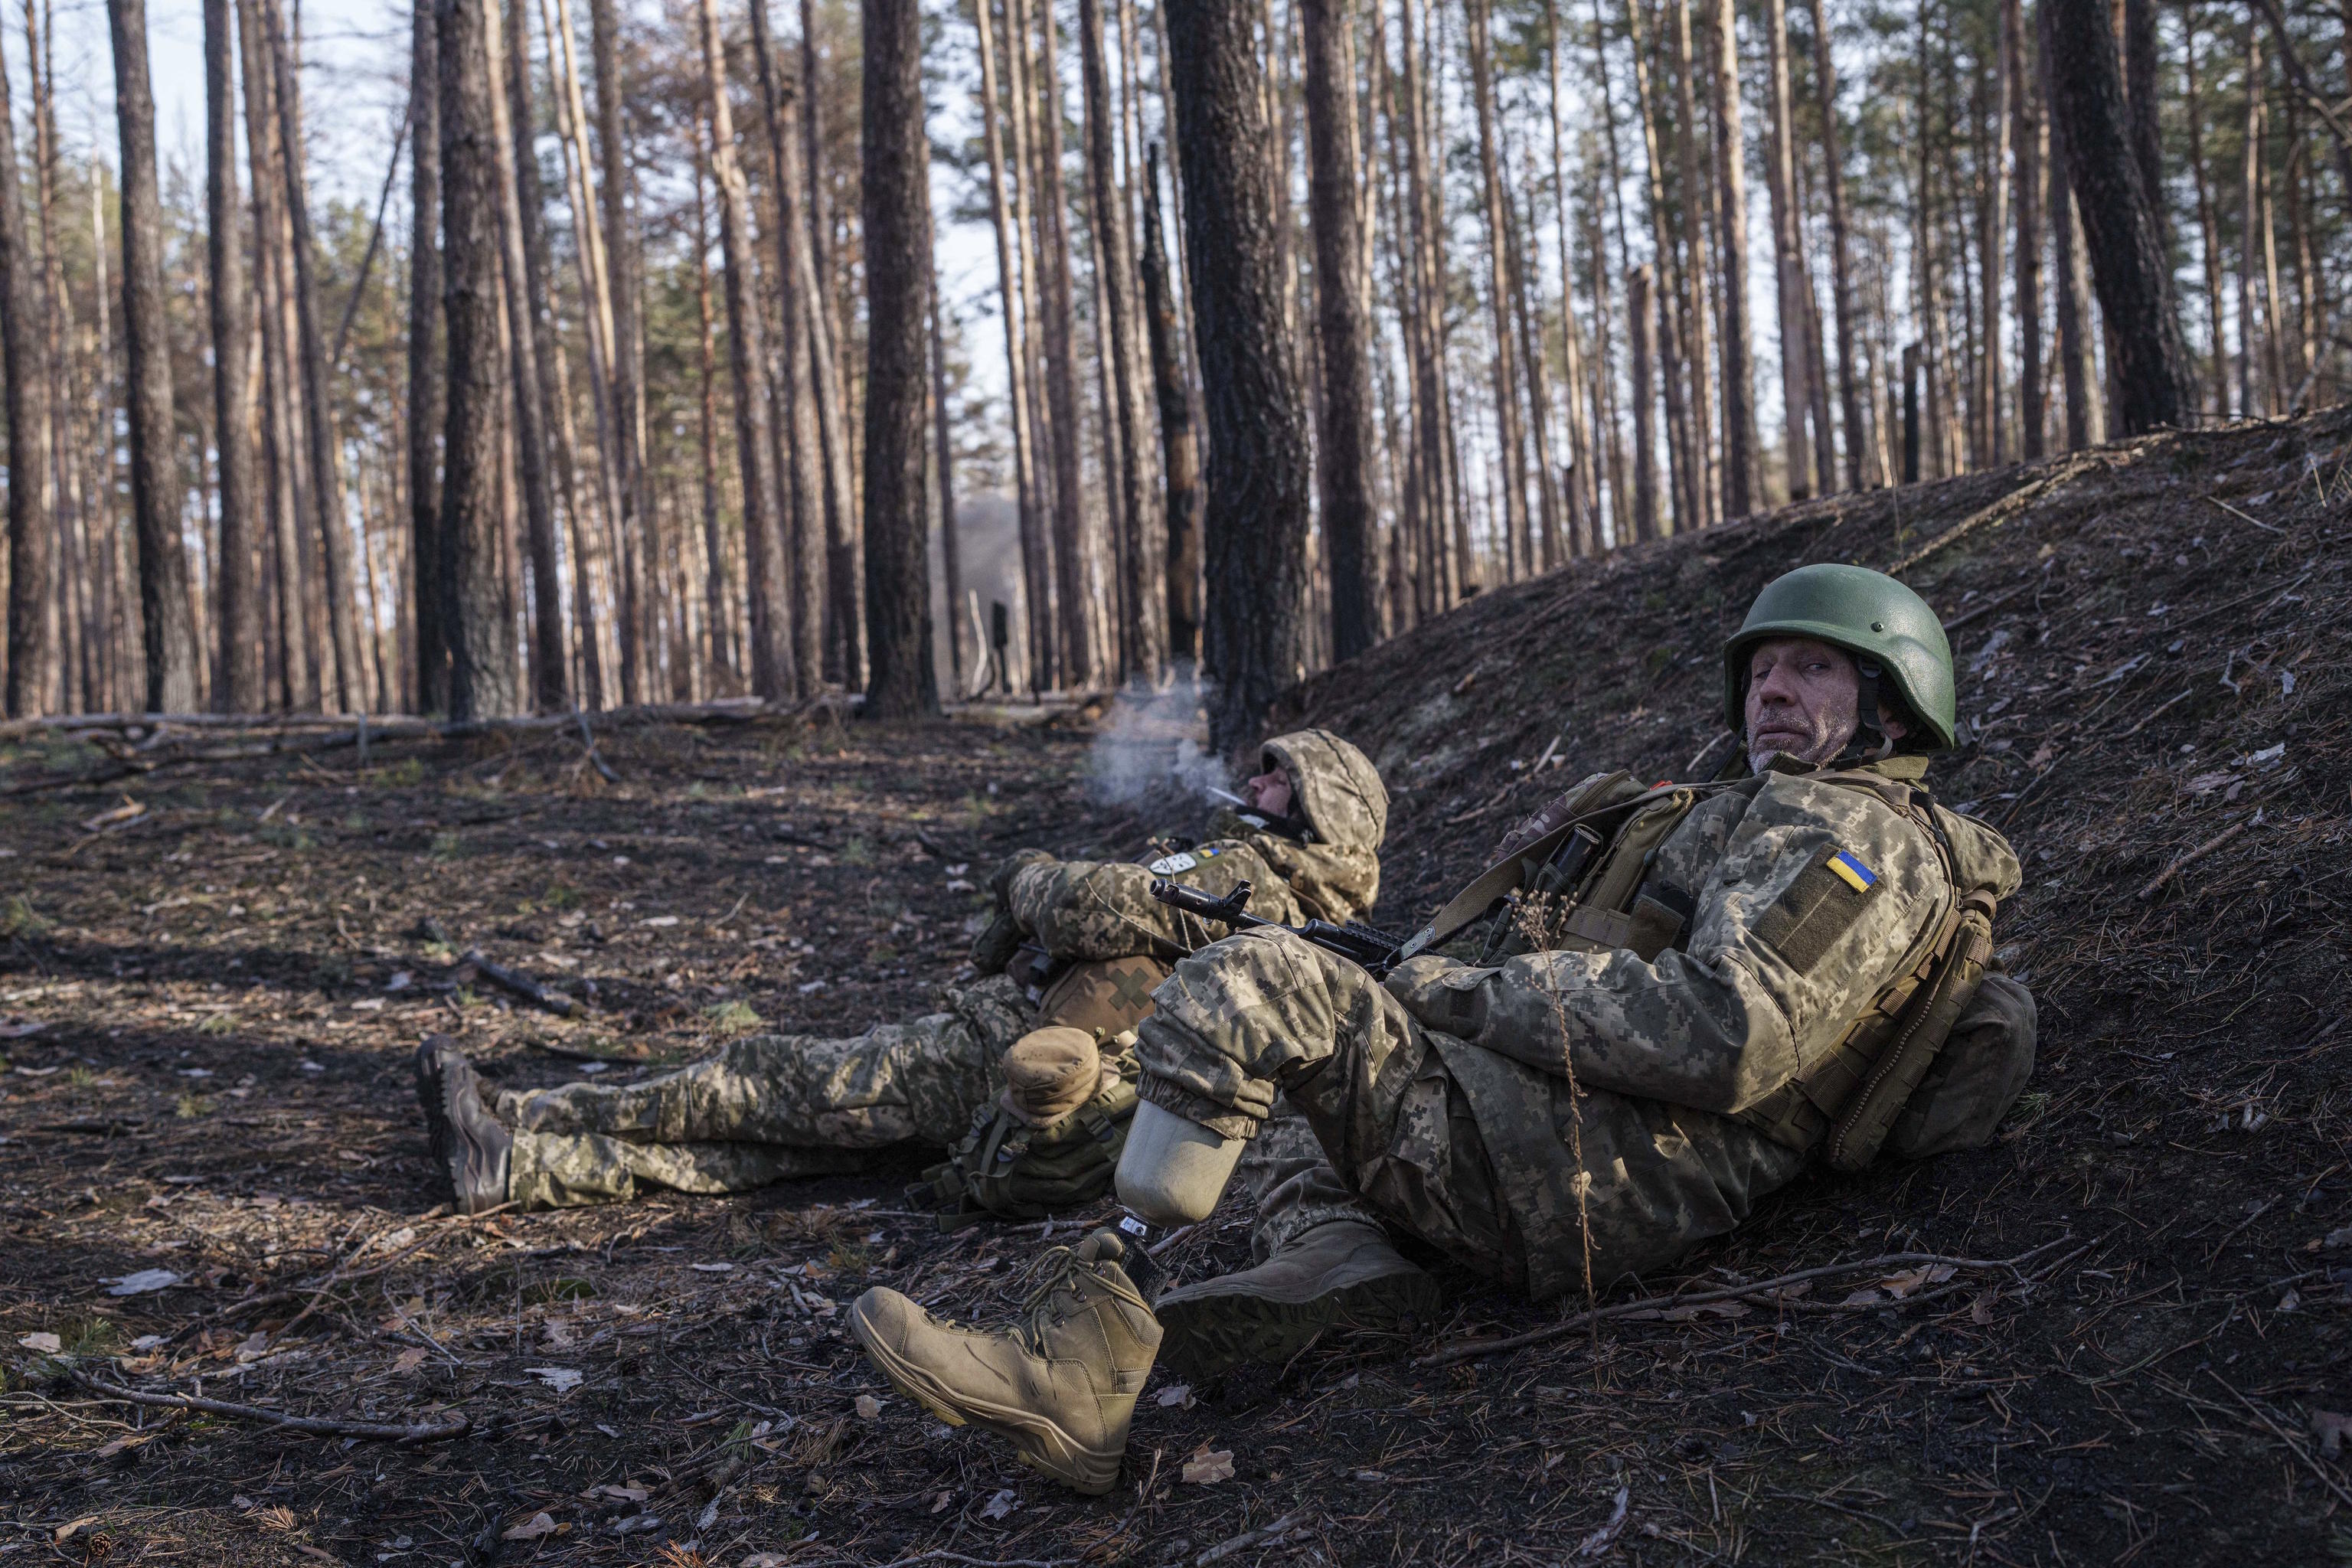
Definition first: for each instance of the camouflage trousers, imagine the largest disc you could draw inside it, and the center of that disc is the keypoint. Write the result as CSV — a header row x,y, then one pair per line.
x,y
1471,1152
765,1108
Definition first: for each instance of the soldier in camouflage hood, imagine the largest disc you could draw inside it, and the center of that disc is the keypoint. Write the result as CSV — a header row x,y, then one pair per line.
x,y
1736,979
1084,942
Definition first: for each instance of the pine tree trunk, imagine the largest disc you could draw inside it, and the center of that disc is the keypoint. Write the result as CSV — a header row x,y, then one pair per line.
x,y
2032,412
1509,433
1681,465
1554,548
1344,454
943,464
427,391
1795,287
1695,307
33,666
167,623
804,486
237,669
1257,473
2209,235
1180,446
484,680
326,490
1641,325
2069,286
527,374
1143,638
1740,492
828,344
1445,571
1036,548
2141,104
771,651
706,426
896,206
1040,99
627,358
2119,225
1989,254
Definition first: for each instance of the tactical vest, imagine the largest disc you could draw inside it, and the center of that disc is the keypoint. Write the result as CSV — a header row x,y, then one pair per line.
x,y
1846,1102
1007,1168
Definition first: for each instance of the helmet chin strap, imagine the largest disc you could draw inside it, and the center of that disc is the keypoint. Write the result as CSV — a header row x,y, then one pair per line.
x,y
1870,744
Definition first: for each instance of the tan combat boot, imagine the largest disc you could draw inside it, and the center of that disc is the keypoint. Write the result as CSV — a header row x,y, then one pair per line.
x,y
1060,1385
1343,1274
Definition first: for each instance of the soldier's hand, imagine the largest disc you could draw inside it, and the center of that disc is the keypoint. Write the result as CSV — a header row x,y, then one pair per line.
x,y
1547,818
993,948
999,881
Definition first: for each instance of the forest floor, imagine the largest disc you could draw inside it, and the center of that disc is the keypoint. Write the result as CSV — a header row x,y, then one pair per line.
x,y
215,1177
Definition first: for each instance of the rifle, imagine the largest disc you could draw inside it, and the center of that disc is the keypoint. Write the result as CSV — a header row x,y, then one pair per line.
x,y
1372,951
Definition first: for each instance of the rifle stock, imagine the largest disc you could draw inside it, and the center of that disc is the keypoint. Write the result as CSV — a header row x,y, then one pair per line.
x,y
1373,951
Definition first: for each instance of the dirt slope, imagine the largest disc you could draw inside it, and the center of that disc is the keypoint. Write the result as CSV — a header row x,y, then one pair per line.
x,y
207,1011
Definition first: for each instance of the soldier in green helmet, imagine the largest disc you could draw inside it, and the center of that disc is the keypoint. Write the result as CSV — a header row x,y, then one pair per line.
x,y
1746,976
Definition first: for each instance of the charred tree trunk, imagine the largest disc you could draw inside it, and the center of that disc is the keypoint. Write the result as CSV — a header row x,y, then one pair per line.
x,y
2119,223
1509,432
33,667
1143,637
1256,541
1043,99
2209,232
1344,454
1993,237
2072,288
483,679
1693,308
2140,103
1640,324
943,461
896,199
167,620
1179,444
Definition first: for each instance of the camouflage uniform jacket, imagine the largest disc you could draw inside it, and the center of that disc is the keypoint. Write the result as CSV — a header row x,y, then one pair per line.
x,y
1099,909
1766,980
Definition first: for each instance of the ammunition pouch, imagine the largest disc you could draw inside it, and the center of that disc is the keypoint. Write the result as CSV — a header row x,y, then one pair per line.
x,y
1005,1168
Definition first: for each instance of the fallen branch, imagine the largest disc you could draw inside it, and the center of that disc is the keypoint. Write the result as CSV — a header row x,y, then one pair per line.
x,y
2013,502
1266,1535
521,985
1470,1349
456,1426
2181,861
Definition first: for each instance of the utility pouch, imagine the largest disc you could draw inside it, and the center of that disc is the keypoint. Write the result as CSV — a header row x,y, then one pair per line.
x,y
1007,1169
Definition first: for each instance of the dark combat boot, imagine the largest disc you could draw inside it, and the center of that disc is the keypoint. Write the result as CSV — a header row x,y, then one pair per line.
x,y
1060,1385
1341,1275
469,1147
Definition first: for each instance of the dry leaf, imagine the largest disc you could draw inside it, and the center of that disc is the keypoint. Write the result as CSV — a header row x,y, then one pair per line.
x,y
143,1281
1600,1540
868,1407
68,1531
540,1524
1866,1296
1000,1505
1980,1309
1179,1394
49,1344
561,1379
622,1494
1903,1284
1206,1468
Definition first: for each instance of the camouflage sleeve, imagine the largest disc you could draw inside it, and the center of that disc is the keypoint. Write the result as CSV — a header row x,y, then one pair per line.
x,y
1104,909
1784,952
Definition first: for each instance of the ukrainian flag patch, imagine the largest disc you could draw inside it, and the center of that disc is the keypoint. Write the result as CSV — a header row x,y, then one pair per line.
x,y
1855,875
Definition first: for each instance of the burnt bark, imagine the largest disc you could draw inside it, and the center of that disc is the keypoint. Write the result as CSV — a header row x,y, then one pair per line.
x,y
2119,225
627,354
1256,541
1842,302
1641,325
1509,432
896,200
2032,401
166,619
1740,494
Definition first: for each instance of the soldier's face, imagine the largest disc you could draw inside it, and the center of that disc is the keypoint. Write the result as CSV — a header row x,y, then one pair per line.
x,y
1800,700
1269,793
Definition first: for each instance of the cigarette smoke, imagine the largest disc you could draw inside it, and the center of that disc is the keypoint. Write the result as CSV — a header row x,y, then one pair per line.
x,y
1151,752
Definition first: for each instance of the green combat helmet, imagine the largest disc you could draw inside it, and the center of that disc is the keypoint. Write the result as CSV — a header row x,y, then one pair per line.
x,y
1890,631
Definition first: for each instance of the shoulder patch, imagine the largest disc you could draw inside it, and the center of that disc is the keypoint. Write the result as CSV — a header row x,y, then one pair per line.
x,y
1856,874
1172,865
1817,908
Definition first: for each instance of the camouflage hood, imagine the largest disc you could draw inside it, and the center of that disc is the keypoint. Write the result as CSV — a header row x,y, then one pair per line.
x,y
1340,794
